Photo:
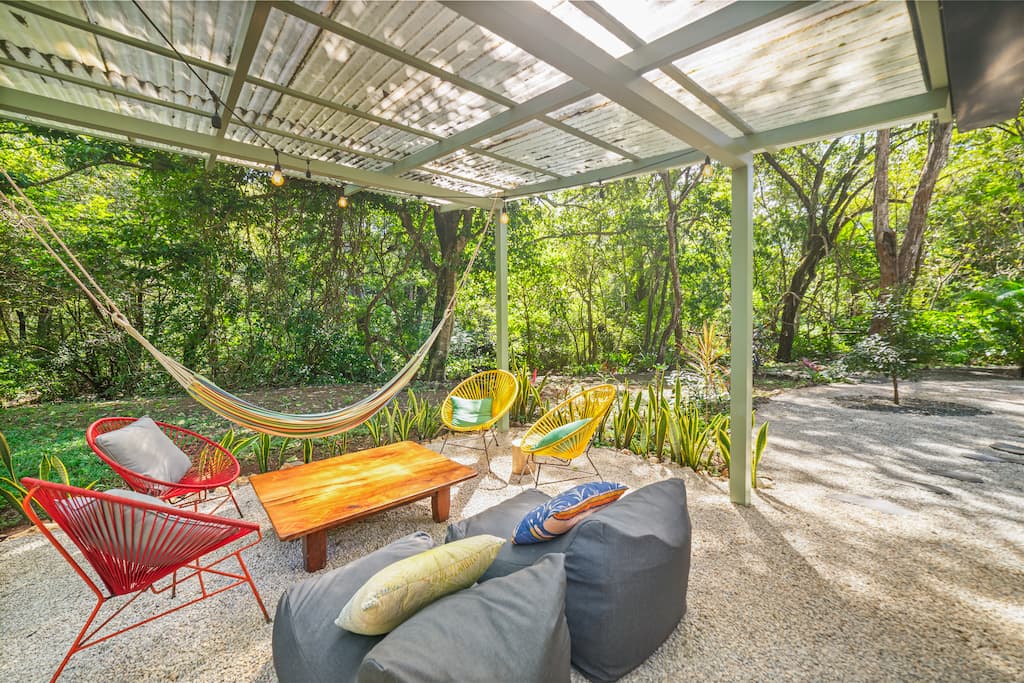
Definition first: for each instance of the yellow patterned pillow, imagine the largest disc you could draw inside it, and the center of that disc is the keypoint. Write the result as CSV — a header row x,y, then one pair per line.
x,y
398,591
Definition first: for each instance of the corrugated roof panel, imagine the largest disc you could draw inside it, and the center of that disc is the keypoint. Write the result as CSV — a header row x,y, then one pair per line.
x,y
317,121
652,19
541,145
817,61
602,118
488,169
448,183
337,69
436,34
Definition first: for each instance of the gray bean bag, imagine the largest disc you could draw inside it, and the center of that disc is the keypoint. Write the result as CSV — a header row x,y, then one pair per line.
x,y
627,567
308,647
509,630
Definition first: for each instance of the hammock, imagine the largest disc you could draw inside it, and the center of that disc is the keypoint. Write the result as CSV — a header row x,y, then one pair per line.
x,y
208,394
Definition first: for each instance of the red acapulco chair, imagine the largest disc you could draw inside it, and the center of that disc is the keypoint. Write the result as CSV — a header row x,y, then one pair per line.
x,y
132,544
213,466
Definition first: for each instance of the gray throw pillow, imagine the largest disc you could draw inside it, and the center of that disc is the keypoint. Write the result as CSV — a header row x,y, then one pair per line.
x,y
307,646
508,630
143,448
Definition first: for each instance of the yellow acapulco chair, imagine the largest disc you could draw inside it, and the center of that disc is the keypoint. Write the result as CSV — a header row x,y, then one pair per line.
x,y
564,433
497,385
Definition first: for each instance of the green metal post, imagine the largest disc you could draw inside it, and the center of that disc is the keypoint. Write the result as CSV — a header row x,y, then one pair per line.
x,y
741,374
501,294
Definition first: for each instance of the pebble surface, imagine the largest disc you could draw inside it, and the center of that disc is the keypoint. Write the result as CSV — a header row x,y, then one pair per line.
x,y
800,586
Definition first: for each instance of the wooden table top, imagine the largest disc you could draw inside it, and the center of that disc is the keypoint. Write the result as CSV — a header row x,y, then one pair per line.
x,y
324,493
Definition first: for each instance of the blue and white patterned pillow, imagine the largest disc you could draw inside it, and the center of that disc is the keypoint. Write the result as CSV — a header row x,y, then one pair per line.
x,y
564,511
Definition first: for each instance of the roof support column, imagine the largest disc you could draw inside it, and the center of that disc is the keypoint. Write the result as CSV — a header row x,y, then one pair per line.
x,y
741,353
501,294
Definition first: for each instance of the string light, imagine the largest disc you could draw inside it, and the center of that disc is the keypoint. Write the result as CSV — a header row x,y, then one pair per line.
x,y
342,198
600,189
277,177
215,119
503,218
308,174
706,169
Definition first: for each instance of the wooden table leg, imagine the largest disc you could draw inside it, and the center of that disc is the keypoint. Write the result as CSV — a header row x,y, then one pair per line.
x,y
314,550
440,502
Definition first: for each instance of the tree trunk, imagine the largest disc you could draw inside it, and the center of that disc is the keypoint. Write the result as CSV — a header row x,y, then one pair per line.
x,y
453,230
895,389
802,278
898,266
22,326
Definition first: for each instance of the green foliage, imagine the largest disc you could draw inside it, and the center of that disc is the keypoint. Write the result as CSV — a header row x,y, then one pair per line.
x,y
689,437
307,451
378,433
11,489
900,347
1002,304
261,448
529,404
705,358
625,419
723,440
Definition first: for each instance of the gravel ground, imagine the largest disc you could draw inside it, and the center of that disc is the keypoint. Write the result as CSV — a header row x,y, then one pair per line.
x,y
845,569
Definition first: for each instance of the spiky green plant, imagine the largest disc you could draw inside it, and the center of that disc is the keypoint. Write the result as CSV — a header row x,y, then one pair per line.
x,y
688,437
724,442
307,451
261,449
13,491
529,404
624,420
377,432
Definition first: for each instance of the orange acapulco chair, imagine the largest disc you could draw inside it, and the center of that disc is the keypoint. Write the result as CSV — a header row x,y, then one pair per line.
x,y
499,386
558,438
213,466
132,543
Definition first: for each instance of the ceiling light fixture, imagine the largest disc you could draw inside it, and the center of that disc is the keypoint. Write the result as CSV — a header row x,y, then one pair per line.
x,y
706,169
277,177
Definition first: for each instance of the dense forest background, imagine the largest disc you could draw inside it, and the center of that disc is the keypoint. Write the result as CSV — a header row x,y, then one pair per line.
x,y
258,286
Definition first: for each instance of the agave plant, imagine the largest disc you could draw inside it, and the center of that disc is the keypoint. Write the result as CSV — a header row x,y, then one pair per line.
x,y
625,420
307,451
529,405
13,491
724,442
376,429
705,358
688,437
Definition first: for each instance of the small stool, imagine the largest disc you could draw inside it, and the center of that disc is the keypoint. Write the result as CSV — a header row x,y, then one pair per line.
x,y
520,461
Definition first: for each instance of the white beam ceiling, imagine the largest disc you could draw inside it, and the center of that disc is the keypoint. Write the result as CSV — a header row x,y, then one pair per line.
x,y
120,125
551,40
529,27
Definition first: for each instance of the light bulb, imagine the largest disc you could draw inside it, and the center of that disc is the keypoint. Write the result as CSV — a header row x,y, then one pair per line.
x,y
342,202
277,177
707,170
215,119
503,218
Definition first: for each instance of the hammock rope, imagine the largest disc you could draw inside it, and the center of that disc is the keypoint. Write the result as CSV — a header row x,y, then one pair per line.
x,y
203,390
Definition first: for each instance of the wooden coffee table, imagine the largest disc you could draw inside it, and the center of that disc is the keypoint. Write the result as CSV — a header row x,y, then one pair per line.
x,y
307,500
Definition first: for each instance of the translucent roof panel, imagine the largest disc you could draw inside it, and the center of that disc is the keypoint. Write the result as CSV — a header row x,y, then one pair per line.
x,y
815,62
458,101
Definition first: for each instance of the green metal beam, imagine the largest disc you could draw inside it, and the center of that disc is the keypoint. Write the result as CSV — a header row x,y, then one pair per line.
x,y
501,295
741,351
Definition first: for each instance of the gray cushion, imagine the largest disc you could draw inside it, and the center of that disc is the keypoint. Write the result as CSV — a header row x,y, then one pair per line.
x,y
143,448
511,629
307,646
627,567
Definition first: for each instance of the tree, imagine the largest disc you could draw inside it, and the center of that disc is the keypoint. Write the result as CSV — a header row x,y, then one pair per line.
x,y
826,177
898,264
900,346
454,230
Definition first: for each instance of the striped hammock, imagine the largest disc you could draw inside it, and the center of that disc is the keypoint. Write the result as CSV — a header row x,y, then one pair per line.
x,y
224,403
